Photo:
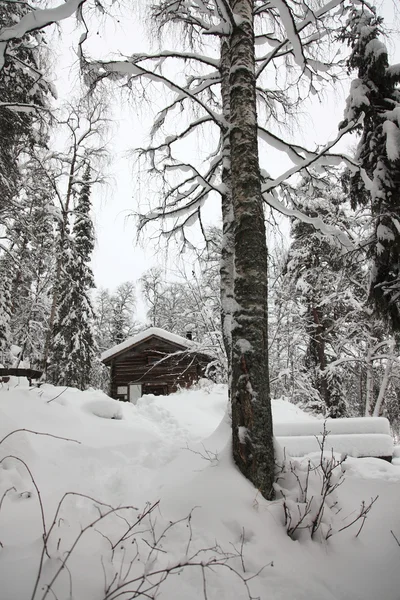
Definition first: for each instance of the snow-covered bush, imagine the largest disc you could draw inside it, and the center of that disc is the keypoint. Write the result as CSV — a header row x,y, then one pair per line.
x,y
308,489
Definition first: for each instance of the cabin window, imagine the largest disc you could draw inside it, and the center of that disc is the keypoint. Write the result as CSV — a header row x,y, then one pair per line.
x,y
157,390
122,392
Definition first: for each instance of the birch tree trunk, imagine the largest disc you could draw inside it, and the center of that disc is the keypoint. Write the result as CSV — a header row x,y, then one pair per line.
x,y
251,405
369,385
385,380
227,250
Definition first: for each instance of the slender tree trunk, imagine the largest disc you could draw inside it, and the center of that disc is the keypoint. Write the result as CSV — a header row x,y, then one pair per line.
x,y
385,380
251,406
52,317
227,250
369,384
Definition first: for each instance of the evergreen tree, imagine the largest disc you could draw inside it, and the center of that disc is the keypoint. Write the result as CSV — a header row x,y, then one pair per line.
x,y
376,93
22,85
31,238
322,280
74,348
81,125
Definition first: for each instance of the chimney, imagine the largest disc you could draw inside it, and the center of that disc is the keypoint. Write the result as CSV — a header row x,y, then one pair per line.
x,y
189,335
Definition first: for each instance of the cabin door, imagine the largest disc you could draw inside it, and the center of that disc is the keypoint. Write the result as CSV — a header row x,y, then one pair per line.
x,y
135,392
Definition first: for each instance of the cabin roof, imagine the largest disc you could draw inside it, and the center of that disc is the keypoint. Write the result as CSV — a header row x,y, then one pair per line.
x,y
178,340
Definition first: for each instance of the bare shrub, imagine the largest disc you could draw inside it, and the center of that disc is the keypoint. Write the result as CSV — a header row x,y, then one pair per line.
x,y
141,550
309,492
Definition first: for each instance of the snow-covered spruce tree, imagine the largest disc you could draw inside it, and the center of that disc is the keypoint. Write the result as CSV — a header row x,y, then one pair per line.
x,y
316,266
334,342
376,93
81,125
287,337
23,116
24,120
31,240
73,347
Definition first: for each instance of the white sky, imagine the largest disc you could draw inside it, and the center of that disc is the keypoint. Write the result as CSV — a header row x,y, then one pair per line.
x,y
117,256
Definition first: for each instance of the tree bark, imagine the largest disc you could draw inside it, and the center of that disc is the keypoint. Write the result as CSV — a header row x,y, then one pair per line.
x,y
227,249
385,381
251,406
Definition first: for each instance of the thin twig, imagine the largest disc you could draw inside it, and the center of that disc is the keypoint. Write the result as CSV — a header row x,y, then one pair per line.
x,y
57,437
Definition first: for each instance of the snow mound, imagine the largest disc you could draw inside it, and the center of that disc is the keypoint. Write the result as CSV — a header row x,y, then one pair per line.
x,y
357,445
284,412
106,409
371,468
357,425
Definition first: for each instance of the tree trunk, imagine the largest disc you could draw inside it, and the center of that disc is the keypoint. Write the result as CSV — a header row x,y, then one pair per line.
x,y
54,300
318,342
227,249
251,406
369,384
385,380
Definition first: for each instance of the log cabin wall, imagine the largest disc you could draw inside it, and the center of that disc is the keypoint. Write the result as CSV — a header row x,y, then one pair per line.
x,y
150,365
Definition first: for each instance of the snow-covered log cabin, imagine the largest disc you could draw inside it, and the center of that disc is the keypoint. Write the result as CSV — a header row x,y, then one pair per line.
x,y
154,361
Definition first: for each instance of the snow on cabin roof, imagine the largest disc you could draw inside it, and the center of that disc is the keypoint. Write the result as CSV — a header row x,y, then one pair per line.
x,y
143,335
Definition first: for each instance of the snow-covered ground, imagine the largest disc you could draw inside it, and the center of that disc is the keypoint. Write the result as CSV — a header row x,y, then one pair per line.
x,y
188,525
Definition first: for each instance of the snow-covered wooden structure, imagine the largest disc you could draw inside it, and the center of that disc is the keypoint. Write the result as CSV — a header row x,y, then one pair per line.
x,y
154,361
30,374
357,437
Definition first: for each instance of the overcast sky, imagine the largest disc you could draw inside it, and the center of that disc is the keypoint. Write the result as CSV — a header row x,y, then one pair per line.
x,y
118,257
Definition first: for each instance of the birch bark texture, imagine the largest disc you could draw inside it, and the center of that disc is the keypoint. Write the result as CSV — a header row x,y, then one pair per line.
x,y
251,405
227,247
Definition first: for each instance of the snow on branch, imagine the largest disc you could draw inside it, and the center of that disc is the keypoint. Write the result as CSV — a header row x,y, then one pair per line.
x,y
317,222
193,197
224,9
23,107
208,18
322,158
35,20
185,56
293,43
98,70
291,30
172,139
295,152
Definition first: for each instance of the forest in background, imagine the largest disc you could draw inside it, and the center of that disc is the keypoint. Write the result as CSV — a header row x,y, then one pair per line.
x,y
333,288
